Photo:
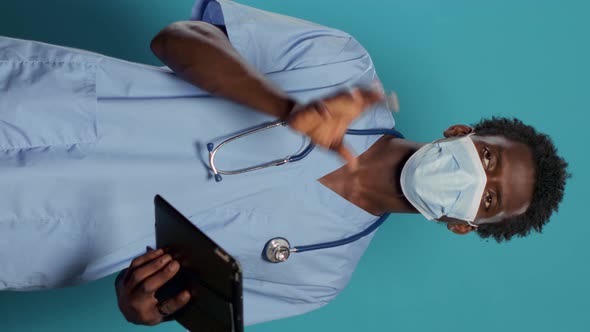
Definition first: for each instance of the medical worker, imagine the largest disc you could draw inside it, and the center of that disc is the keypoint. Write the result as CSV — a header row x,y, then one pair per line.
x,y
88,140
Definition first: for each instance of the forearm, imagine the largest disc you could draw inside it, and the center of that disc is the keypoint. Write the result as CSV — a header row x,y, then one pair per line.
x,y
201,54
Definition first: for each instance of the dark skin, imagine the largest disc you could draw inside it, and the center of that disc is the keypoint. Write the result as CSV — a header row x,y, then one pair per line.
x,y
201,54
137,285
376,189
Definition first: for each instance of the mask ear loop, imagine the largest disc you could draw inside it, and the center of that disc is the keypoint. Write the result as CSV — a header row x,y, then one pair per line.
x,y
453,138
469,222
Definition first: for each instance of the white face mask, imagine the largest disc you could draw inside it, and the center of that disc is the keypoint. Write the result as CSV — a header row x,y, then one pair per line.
x,y
445,178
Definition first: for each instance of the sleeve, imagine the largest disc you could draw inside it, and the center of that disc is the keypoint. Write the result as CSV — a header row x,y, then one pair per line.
x,y
266,301
273,42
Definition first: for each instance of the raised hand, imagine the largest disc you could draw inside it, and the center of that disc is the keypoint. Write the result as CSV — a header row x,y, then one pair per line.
x,y
326,121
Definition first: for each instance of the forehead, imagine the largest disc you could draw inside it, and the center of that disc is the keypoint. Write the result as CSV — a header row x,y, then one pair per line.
x,y
514,177
511,150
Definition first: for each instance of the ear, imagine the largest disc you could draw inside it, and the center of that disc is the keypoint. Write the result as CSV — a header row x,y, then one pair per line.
x,y
457,130
460,229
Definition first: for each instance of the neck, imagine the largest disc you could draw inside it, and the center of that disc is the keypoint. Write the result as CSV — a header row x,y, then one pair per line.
x,y
374,185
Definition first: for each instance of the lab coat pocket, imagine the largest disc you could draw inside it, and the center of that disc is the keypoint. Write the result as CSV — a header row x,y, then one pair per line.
x,y
47,103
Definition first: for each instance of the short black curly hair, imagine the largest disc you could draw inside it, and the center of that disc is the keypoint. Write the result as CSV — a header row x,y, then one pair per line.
x,y
550,177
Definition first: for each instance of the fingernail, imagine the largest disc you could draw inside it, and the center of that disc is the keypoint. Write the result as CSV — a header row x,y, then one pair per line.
x,y
392,102
165,259
173,266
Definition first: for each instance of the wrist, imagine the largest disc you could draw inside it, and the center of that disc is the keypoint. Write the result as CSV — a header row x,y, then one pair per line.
x,y
268,99
286,109
120,276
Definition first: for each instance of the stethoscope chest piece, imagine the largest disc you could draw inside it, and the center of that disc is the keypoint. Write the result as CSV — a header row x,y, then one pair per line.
x,y
277,250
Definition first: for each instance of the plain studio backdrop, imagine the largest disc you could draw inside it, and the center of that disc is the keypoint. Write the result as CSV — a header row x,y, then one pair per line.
x,y
451,61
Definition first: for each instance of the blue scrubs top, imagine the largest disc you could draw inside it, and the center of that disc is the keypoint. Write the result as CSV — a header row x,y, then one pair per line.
x,y
86,141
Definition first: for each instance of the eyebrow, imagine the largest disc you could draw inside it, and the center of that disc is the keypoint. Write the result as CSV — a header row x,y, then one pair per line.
x,y
499,155
499,164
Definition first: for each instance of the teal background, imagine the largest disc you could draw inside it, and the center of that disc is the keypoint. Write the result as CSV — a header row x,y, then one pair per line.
x,y
451,61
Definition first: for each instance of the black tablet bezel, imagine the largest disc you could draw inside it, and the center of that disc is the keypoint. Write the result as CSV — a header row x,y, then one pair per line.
x,y
201,242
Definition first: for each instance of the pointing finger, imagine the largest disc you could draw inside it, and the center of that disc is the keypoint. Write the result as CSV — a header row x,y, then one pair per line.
x,y
345,153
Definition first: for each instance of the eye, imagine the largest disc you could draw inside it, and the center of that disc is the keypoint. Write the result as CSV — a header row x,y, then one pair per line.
x,y
487,156
487,200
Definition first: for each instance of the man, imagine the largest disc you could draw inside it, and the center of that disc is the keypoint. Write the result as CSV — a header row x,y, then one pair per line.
x,y
96,169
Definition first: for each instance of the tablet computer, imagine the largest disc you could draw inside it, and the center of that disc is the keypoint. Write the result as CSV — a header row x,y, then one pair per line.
x,y
209,273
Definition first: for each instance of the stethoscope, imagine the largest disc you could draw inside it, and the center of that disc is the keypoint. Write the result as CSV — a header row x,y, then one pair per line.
x,y
278,249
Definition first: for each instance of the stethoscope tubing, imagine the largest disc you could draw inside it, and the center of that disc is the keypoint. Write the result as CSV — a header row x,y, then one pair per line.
x,y
342,242
278,245
277,162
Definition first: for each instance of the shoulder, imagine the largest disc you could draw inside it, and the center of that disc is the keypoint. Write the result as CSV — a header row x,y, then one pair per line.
x,y
276,42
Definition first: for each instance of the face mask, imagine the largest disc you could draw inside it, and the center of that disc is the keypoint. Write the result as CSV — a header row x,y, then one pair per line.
x,y
445,178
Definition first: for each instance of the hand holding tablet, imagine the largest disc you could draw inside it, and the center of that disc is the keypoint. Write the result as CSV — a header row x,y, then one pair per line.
x,y
137,286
